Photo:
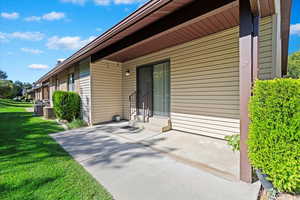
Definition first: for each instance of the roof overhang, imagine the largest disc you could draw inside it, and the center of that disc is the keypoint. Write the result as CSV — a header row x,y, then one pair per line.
x,y
152,27
145,15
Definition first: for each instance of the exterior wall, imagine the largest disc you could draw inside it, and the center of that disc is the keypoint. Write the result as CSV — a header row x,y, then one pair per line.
x,y
106,87
204,80
45,93
63,80
38,94
84,87
77,78
51,89
204,83
265,49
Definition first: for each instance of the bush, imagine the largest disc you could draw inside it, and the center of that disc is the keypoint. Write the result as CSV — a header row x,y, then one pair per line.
x,y
66,105
76,123
274,135
233,141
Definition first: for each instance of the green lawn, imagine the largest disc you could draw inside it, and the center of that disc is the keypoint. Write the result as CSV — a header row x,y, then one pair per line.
x,y
33,165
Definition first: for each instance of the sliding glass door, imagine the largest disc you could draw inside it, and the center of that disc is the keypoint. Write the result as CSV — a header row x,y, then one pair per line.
x,y
161,89
153,81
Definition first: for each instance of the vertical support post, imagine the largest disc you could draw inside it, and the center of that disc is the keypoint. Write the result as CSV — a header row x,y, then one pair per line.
x,y
42,89
248,73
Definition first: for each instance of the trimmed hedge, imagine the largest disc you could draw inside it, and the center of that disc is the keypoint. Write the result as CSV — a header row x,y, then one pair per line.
x,y
274,135
66,105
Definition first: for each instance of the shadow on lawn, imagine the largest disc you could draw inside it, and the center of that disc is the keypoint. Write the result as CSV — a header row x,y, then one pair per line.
x,y
11,103
24,137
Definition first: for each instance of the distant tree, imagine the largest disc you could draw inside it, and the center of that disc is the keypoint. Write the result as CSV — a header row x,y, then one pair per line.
x,y
3,75
294,65
7,89
18,88
27,85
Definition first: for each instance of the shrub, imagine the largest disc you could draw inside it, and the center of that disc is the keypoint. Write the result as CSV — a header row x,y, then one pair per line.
x,y
274,135
233,141
76,123
66,105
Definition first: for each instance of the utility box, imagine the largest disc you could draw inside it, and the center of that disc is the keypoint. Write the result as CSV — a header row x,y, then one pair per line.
x,y
48,113
38,109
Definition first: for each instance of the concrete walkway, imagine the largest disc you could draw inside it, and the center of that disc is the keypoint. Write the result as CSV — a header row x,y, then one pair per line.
x,y
132,171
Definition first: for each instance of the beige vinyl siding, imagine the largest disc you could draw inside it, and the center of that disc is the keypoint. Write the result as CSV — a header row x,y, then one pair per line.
x,y
51,89
77,78
204,83
63,80
38,94
85,90
106,90
265,48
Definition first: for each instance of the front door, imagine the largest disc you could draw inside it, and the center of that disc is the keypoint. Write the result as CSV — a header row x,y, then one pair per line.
x,y
153,88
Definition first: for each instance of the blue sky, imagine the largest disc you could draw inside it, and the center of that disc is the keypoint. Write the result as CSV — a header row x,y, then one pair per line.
x,y
34,34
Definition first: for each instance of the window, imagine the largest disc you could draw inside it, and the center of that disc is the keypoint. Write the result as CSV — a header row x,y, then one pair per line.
x,y
71,86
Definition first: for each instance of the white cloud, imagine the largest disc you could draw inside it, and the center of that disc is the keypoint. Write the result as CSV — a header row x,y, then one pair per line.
x,y
67,42
38,66
53,16
32,36
79,2
32,51
128,1
3,37
48,16
33,19
13,15
102,2
295,29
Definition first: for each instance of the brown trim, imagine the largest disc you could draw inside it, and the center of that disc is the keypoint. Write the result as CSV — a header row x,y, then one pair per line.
x,y
182,15
248,73
255,7
197,19
147,9
143,16
285,10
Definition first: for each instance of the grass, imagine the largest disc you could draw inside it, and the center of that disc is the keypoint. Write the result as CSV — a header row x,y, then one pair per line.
x,y
33,166
76,123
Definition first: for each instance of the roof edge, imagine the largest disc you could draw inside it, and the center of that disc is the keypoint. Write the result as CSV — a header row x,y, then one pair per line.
x,y
131,19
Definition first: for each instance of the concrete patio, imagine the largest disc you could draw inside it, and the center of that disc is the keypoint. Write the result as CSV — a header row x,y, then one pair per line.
x,y
143,164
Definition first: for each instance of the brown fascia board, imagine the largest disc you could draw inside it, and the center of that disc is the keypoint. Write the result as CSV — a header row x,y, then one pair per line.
x,y
285,33
141,13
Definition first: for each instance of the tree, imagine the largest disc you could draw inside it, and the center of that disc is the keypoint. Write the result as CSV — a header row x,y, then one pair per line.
x,y
6,89
294,65
18,87
3,75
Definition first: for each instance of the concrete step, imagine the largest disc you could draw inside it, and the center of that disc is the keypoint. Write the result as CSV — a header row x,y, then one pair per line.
x,y
156,124
161,121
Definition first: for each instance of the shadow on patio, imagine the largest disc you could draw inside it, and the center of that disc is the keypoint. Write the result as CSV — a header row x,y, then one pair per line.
x,y
103,145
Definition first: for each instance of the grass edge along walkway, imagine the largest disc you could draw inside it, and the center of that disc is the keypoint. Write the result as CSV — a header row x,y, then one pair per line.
x,y
33,165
